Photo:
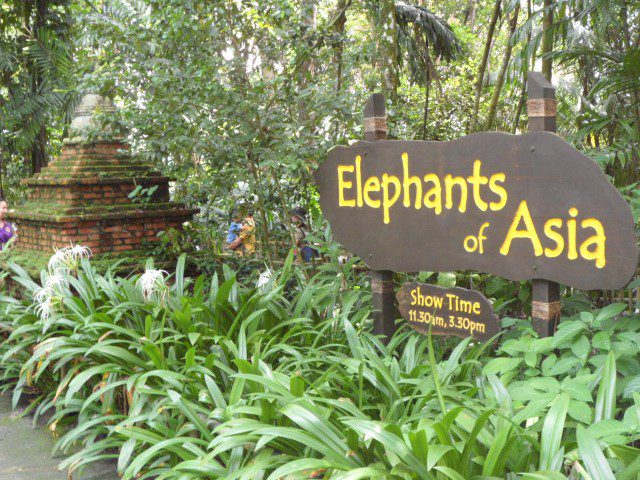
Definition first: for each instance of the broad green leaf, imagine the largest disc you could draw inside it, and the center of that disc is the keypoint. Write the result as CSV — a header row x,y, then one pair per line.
x,y
567,331
602,340
501,365
632,387
552,430
611,311
581,411
580,348
591,455
606,398
496,456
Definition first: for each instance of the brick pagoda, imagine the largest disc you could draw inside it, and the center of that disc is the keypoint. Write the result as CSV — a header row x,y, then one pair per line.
x,y
82,197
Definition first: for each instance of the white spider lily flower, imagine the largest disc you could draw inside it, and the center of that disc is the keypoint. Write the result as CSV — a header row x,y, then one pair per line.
x,y
78,252
150,281
57,260
45,295
45,309
68,257
56,281
42,294
264,279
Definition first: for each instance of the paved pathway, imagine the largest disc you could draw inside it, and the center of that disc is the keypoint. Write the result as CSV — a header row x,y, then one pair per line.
x,y
25,451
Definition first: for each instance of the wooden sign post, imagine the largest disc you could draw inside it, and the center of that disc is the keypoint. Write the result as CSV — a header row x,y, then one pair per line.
x,y
542,108
382,285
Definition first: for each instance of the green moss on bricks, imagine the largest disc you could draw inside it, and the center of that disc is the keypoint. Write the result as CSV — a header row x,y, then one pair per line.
x,y
172,210
79,162
49,212
79,174
115,169
35,182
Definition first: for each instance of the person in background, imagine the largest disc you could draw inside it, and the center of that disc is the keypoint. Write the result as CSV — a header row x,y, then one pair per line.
x,y
248,235
245,243
7,230
298,216
234,227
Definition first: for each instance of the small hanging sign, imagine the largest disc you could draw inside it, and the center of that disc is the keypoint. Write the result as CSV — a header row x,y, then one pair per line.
x,y
448,311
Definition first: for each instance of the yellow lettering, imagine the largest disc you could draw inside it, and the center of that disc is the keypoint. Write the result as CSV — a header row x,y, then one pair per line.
x,y
572,254
555,236
359,181
413,297
344,184
437,302
449,182
481,237
433,197
451,297
465,306
407,182
498,190
599,240
476,180
470,243
529,232
476,308
388,201
371,185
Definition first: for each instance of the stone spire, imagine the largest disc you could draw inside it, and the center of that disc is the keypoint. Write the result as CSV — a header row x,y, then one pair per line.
x,y
84,125
84,197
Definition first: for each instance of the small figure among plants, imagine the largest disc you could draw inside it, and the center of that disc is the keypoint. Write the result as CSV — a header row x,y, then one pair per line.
x,y
234,227
7,230
245,242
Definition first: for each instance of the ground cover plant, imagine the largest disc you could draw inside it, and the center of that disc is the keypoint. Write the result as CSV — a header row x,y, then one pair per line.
x,y
210,378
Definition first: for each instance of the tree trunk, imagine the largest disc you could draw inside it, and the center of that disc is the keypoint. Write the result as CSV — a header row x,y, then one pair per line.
x,y
547,38
427,88
470,16
38,152
341,20
503,70
523,93
519,108
306,66
484,62
387,37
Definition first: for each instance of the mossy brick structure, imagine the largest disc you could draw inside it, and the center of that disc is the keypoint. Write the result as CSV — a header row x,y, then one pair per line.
x,y
82,197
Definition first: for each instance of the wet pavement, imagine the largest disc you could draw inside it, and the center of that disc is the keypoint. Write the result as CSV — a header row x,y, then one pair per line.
x,y
25,450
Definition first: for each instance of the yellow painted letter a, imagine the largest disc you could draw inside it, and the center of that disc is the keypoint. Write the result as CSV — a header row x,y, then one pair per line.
x,y
529,231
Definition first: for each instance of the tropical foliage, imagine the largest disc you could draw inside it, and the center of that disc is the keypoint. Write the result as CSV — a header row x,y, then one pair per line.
x,y
232,376
209,378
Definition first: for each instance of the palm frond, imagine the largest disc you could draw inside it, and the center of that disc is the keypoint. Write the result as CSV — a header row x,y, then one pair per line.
x,y
438,32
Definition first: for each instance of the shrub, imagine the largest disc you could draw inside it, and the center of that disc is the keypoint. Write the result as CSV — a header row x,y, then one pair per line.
x,y
193,379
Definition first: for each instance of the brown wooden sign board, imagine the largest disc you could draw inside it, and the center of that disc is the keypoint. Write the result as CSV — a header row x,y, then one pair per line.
x,y
521,207
447,311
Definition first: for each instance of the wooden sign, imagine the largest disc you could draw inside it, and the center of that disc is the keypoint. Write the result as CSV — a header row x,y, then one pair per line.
x,y
447,311
521,207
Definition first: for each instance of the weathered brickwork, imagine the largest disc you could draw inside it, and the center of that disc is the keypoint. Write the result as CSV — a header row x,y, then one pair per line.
x,y
82,197
80,194
101,236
